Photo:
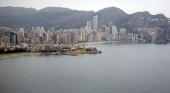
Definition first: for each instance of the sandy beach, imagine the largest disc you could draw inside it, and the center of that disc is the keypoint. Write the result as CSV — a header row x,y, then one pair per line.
x,y
18,54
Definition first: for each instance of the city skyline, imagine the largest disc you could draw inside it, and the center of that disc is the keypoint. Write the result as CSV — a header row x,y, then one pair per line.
x,y
132,6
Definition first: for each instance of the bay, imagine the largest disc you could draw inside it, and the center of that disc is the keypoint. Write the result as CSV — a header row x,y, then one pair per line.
x,y
121,68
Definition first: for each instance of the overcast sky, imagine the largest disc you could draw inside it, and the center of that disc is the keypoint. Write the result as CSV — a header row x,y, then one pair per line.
x,y
129,6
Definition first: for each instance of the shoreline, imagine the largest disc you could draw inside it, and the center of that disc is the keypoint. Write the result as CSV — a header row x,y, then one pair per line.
x,y
92,43
103,42
86,43
119,41
18,54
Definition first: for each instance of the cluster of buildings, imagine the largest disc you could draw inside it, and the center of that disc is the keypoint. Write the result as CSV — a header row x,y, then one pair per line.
x,y
90,33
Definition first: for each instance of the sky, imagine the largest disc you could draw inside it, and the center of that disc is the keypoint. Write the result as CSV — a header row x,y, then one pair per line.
x,y
129,6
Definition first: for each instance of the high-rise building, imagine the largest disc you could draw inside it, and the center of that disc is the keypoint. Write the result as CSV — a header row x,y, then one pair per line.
x,y
103,28
75,37
122,35
21,35
52,31
89,24
95,24
41,40
38,30
13,38
88,27
71,38
41,31
110,27
65,38
6,39
114,30
83,34
114,33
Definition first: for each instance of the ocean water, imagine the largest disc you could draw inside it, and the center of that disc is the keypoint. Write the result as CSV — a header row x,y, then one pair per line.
x,y
121,68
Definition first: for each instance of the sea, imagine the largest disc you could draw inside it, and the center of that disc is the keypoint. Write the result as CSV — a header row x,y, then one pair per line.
x,y
123,67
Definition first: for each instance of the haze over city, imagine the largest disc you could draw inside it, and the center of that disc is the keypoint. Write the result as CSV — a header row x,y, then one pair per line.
x,y
83,46
130,6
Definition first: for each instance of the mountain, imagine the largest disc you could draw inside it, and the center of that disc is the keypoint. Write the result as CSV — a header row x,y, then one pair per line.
x,y
142,19
110,14
54,9
16,11
20,11
60,20
64,18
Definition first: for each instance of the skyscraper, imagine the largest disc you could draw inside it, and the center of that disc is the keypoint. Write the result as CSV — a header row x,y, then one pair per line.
x,y
41,31
21,35
114,33
114,30
110,27
88,27
89,24
13,38
95,23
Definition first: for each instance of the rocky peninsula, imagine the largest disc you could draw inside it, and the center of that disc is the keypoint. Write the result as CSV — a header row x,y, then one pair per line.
x,y
45,49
